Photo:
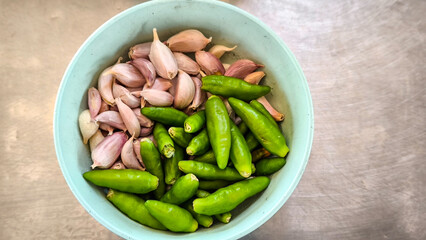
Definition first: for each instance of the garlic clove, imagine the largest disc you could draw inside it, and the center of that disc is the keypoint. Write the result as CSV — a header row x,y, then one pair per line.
x,y
107,151
96,139
146,131
87,127
128,156
226,66
94,101
241,68
159,84
107,128
129,118
105,86
157,98
274,113
162,58
209,63
123,93
112,118
146,68
186,64
200,95
127,74
140,50
190,40
143,120
118,165
184,90
219,50
254,77
104,107
137,150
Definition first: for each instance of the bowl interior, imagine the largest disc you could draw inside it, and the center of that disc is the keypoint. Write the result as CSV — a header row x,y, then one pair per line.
x,y
227,25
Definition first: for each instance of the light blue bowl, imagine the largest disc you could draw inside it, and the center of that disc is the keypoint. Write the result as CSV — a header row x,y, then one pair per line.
x,y
228,25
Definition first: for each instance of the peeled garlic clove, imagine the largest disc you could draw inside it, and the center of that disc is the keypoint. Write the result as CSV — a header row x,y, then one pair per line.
x,y
186,64
274,113
118,165
129,118
128,156
157,98
127,74
190,40
160,84
112,118
162,58
123,93
140,50
209,63
87,127
254,77
105,86
96,139
241,68
143,121
94,101
146,131
200,95
219,50
146,68
107,151
107,128
137,150
184,91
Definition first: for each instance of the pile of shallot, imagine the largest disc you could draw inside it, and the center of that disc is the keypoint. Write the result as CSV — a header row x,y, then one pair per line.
x,y
158,74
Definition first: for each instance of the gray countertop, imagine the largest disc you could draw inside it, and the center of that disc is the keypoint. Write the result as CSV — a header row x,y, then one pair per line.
x,y
365,66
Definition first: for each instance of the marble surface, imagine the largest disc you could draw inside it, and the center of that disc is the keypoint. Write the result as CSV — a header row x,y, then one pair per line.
x,y
364,62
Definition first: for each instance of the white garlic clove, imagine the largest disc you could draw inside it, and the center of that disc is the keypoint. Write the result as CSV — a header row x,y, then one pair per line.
x,y
111,118
105,81
219,50
129,118
140,50
186,64
87,127
128,156
241,68
209,63
157,98
107,151
162,58
184,90
146,68
190,40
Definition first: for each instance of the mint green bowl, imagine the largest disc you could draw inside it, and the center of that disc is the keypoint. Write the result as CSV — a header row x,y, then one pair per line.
x,y
228,25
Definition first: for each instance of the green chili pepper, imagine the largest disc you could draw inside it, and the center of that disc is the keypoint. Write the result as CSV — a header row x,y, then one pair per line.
x,y
203,220
173,217
179,136
209,171
228,198
219,130
224,217
184,188
233,87
259,107
207,157
213,185
165,115
251,141
126,180
243,128
152,160
240,152
195,122
201,193
164,141
268,135
198,144
258,154
268,166
134,208
171,169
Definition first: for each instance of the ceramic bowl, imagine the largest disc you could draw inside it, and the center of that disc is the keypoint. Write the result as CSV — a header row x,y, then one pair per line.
x,y
227,25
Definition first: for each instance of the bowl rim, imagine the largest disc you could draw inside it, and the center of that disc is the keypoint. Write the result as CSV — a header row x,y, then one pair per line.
x,y
307,147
